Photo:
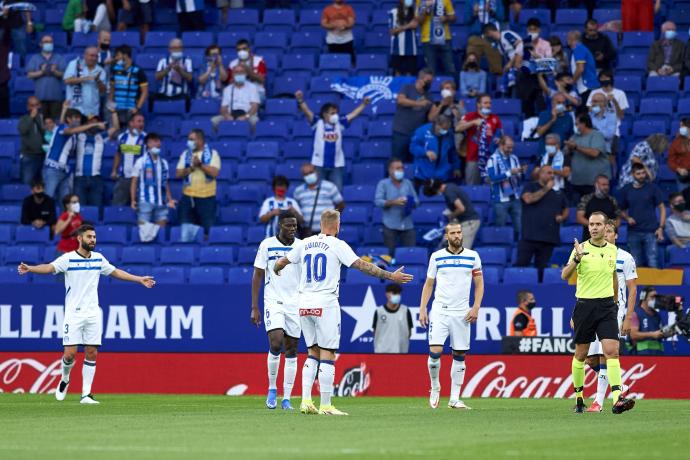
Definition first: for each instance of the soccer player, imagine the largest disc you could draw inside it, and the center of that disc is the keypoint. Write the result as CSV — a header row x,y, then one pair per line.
x,y
453,270
627,293
280,306
321,257
595,313
83,321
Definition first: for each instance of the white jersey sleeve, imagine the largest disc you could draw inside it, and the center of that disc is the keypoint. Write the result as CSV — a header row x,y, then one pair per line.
x,y
106,267
629,268
295,256
477,266
431,271
61,264
261,259
345,253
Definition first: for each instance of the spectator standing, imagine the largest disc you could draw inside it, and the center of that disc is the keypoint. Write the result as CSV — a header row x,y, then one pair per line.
x,y
240,100
452,107
190,14
31,134
639,203
665,56
130,146
68,223
678,223
314,197
174,74
481,128
487,46
46,70
17,24
505,176
338,19
392,323
328,155
563,84
435,17
96,15
5,73
543,211
150,190
472,78
679,155
433,149
558,53
212,78
412,110
459,208
587,150
85,82
605,121
136,12
582,65
616,102
600,200
38,209
397,197
272,206
254,67
105,55
73,11
478,13
198,166
402,24
599,45
638,15
553,156
644,153
129,87
528,86
512,51
555,120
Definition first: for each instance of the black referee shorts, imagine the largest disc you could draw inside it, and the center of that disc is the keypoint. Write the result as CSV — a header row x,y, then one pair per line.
x,y
594,318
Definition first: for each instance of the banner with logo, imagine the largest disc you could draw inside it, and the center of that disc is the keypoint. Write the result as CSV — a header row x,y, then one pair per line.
x,y
374,87
356,375
215,319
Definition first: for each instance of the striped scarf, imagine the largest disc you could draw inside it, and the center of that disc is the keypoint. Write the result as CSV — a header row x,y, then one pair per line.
x,y
206,157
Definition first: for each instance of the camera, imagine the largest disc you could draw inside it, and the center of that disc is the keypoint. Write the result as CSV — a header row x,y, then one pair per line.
x,y
673,304
668,302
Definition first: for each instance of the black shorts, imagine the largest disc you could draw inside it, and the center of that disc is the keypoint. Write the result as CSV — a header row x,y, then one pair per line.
x,y
594,318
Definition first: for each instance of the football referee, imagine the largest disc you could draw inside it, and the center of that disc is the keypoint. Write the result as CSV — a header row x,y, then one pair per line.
x,y
595,310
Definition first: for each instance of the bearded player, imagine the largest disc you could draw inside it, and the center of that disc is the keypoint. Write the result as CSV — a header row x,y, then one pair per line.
x,y
83,321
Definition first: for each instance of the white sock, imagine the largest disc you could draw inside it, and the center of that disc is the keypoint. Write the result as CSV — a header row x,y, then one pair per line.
x,y
602,386
66,369
326,377
88,371
457,377
273,363
434,363
311,366
289,372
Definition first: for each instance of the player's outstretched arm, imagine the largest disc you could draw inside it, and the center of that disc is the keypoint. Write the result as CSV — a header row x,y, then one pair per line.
x,y
370,269
282,263
427,290
257,281
146,281
43,269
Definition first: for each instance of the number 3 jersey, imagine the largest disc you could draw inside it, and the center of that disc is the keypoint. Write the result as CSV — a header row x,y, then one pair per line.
x,y
81,281
281,289
321,257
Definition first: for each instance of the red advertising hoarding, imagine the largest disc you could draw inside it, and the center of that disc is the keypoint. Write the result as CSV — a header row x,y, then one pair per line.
x,y
506,376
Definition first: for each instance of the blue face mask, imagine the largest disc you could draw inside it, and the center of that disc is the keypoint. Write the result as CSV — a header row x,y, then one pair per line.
x,y
395,299
47,47
560,108
191,145
311,178
398,175
551,149
596,109
670,34
240,78
485,111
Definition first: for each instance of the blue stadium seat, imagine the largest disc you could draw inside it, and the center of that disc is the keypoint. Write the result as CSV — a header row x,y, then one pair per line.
x,y
286,86
148,62
498,236
256,235
241,214
216,255
662,87
569,232
138,255
301,130
526,150
10,214
380,130
350,234
291,170
119,215
160,238
14,192
310,17
284,109
520,275
279,20
163,128
377,42
169,275
112,234
299,149
206,275
229,38
205,125
9,275
246,255
355,215
306,41
229,150
478,193
683,108
428,215
276,41
553,276
367,173
243,17
157,40
125,38
299,61
273,130
29,234
18,254
505,107
197,39
356,277
491,255
225,235
8,128
411,256
169,108
260,149
606,15
679,256
629,83
376,150
359,193
637,42
375,64
204,107
334,62
654,107
110,252
644,128
632,64
245,194
85,40
177,255
567,18
234,130
240,275
491,275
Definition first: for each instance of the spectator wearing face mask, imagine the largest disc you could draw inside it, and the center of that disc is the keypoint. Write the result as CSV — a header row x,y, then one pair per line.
x,y
679,155
174,74
254,67
640,201
556,120
211,80
528,85
599,45
38,209
604,121
644,153
558,53
315,196
481,12
481,128
86,82
505,176
553,156
129,149
678,224
129,87
392,323
433,149
435,17
402,23
279,202
587,149
46,70
472,78
412,108
666,54
523,324
600,200
562,84
240,100
397,197
452,107
582,65
68,223
328,155
616,102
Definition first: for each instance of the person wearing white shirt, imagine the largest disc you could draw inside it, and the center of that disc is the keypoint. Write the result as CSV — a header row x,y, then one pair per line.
x,y
174,74
240,100
85,83
554,157
616,102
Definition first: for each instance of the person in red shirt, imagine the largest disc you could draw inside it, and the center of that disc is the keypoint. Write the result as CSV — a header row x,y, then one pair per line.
x,y
255,65
481,130
68,223
638,15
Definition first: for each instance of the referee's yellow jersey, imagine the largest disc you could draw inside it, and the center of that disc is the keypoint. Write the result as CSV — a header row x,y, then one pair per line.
x,y
595,271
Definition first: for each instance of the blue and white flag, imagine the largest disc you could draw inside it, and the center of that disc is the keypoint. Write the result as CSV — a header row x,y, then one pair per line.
x,y
375,88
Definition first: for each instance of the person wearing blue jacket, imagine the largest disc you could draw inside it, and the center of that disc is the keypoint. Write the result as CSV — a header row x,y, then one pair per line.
x,y
433,149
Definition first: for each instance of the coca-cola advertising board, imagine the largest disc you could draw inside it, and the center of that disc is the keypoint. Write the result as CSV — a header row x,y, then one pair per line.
x,y
512,376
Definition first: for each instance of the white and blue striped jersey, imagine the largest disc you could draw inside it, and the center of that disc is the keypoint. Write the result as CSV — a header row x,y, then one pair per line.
x,y
189,6
453,274
153,177
626,271
404,43
272,203
282,289
90,154
328,143
81,281
510,44
60,148
130,147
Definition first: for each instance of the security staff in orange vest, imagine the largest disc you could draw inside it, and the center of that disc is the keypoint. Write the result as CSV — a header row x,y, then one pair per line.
x,y
523,324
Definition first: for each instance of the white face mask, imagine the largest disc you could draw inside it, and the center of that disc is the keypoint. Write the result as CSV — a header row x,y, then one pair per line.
x,y
398,175
155,151
447,93
596,109
684,131
534,36
134,131
576,130
408,3
243,55
333,119
551,149
311,179
75,207
240,78
395,299
191,145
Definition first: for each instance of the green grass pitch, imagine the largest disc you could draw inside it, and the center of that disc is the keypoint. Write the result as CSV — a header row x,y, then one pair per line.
x,y
136,427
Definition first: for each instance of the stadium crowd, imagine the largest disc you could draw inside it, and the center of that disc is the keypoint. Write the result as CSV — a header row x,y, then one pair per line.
x,y
516,133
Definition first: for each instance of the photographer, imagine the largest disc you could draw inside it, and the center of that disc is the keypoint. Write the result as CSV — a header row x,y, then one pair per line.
x,y
645,329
